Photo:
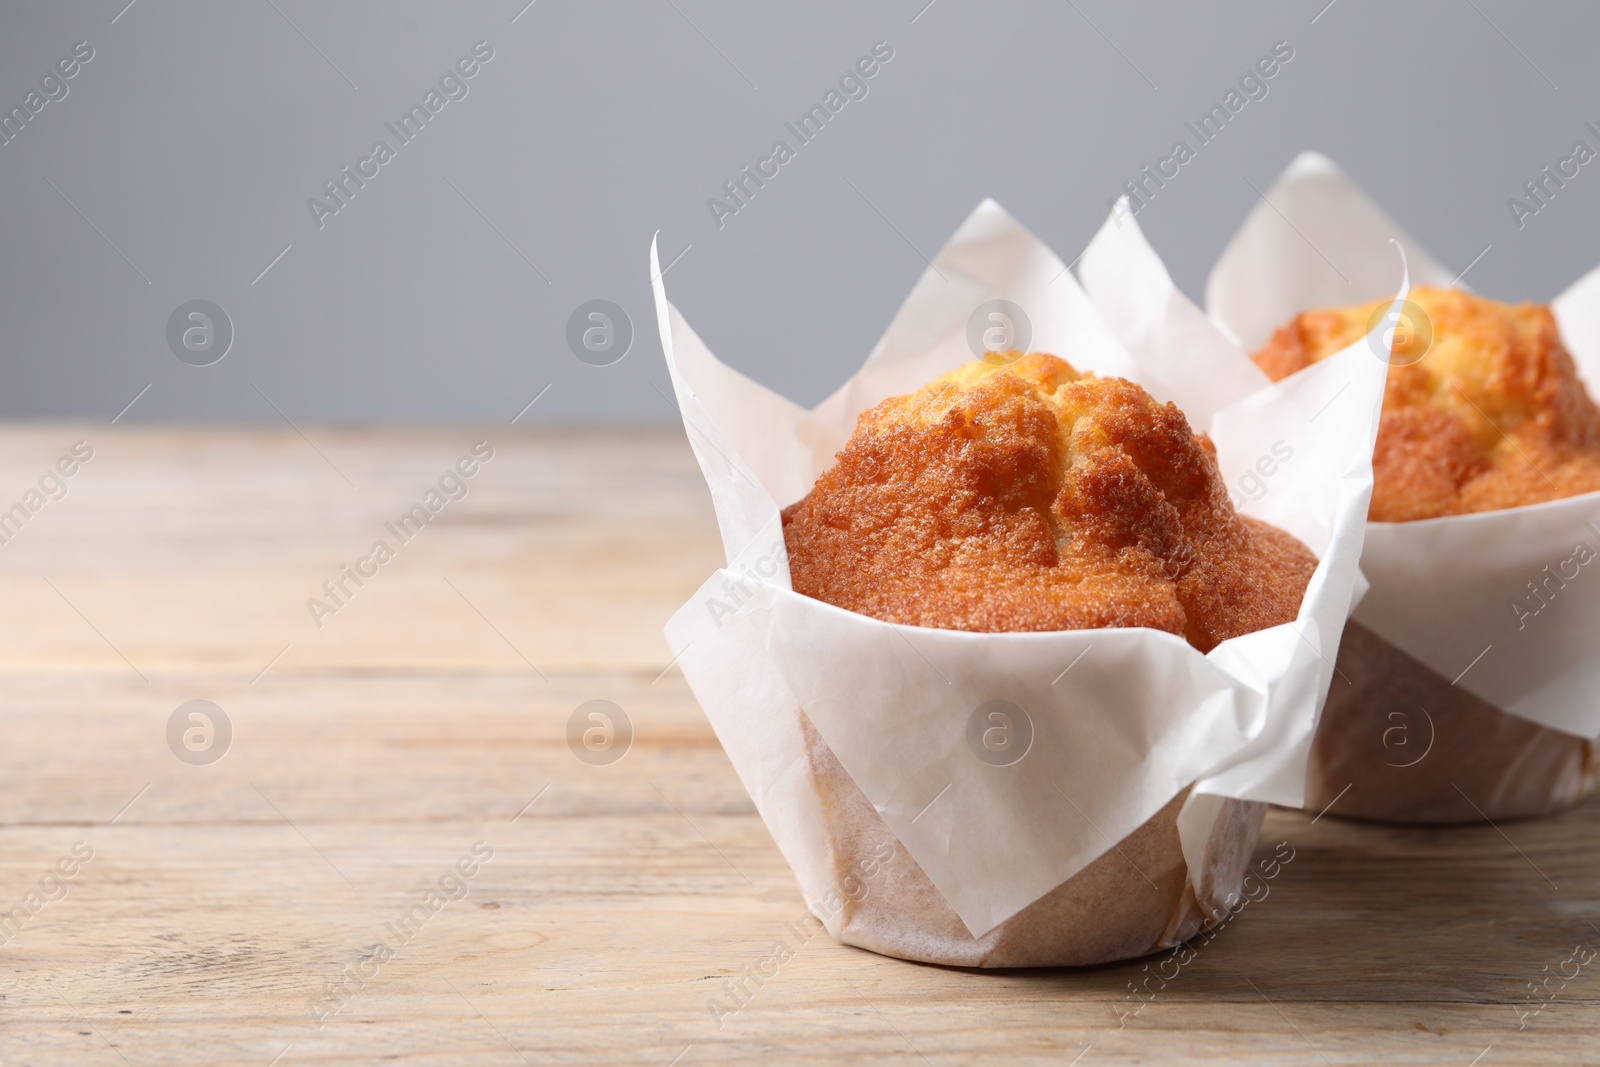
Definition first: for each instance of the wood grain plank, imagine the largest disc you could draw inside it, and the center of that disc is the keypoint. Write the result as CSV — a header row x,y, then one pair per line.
x,y
378,750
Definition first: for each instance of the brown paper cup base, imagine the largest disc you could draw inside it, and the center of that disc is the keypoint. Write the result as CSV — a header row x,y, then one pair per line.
x,y
1414,749
1134,900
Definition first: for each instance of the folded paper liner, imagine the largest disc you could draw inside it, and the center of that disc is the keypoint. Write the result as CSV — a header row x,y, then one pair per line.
x,y
1442,591
1125,722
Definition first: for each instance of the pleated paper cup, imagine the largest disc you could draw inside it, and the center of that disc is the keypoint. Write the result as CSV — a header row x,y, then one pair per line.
x,y
1468,685
1010,799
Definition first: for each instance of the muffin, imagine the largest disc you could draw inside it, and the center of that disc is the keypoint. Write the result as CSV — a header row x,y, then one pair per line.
x,y
1483,410
1017,494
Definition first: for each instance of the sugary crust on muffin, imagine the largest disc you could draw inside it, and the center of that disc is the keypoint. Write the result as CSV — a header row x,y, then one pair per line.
x,y
1028,496
1492,415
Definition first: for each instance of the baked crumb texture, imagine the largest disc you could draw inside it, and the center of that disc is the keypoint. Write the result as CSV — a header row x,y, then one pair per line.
x,y
1488,413
1024,496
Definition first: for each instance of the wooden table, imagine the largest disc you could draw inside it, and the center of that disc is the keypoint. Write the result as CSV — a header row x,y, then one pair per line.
x,y
429,713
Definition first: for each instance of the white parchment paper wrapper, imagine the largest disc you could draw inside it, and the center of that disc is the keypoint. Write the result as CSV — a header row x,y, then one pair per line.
x,y
1139,717
1442,590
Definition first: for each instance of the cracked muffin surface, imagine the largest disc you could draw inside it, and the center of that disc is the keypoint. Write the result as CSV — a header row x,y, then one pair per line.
x,y
1483,408
1025,495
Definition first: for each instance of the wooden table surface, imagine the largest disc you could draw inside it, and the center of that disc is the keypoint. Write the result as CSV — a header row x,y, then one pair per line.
x,y
222,905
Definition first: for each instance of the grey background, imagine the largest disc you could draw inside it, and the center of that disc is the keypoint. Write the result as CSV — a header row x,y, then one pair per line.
x,y
195,136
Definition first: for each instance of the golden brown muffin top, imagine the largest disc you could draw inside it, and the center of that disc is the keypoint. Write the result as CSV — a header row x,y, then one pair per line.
x,y
1030,496
1488,413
